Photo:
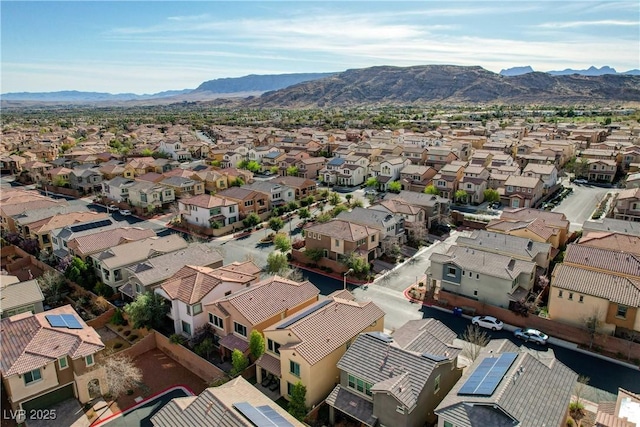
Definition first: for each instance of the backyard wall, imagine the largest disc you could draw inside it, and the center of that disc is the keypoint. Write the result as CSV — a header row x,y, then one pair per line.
x,y
102,320
196,364
145,344
556,329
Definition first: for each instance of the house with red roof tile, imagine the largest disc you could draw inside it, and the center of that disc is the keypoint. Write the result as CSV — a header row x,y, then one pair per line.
x,y
49,357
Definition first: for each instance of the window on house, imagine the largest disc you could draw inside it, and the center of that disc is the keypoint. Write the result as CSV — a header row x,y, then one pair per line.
x,y
451,271
294,368
232,209
186,328
373,238
216,321
581,298
189,310
273,346
62,363
32,376
289,388
622,311
570,296
138,288
436,384
89,360
448,424
240,329
197,309
400,409
560,294
337,242
477,276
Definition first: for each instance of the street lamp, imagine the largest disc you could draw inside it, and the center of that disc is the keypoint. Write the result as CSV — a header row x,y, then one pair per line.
x,y
345,277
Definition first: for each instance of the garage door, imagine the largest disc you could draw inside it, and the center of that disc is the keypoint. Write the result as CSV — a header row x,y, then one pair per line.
x,y
48,400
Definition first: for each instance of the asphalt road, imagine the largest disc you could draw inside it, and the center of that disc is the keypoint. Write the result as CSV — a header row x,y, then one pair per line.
x,y
580,204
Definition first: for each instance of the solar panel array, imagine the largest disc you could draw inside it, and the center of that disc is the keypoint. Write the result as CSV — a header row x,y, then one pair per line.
x,y
90,225
304,314
262,416
487,376
63,321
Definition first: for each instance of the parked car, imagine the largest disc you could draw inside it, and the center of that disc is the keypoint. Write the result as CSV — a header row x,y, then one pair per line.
x,y
495,205
533,335
125,212
112,208
488,322
370,192
580,181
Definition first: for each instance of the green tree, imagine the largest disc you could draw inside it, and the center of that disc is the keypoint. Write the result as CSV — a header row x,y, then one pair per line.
x,y
304,213
461,196
239,362
334,199
216,163
395,187
324,217
205,348
359,265
146,152
147,310
372,182
59,181
292,205
292,171
281,242
349,197
81,273
338,210
277,263
297,406
357,204
236,182
431,189
253,166
274,169
256,344
491,195
242,164
314,254
276,224
251,220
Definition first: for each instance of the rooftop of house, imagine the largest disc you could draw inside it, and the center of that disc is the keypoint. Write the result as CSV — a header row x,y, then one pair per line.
x,y
522,181
238,193
603,259
294,181
328,325
29,341
612,241
487,263
531,392
396,206
156,269
418,199
192,283
207,201
33,215
269,297
619,290
629,194
555,219
613,225
17,294
64,219
505,243
343,230
217,406
133,252
102,240
426,336
539,168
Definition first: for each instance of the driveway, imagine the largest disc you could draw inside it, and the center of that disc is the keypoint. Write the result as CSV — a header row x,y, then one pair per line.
x,y
580,204
67,413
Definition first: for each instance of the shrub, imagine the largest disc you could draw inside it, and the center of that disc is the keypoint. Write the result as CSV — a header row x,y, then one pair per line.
x,y
117,345
118,318
177,339
103,290
101,304
133,337
127,333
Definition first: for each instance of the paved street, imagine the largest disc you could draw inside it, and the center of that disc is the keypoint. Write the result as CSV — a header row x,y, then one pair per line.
x,y
580,204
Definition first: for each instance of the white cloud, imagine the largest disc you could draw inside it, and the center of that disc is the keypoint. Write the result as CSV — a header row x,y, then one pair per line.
x,y
575,24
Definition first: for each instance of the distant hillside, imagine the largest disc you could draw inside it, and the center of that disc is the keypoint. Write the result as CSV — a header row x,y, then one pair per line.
x,y
257,83
77,96
453,84
516,71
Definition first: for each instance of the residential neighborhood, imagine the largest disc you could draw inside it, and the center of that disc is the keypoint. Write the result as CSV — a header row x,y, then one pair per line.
x,y
361,276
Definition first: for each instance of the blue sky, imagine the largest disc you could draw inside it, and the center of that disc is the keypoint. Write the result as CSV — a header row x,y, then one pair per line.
x,y
151,46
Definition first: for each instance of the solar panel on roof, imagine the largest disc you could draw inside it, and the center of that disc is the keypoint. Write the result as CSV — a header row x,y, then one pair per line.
x,y
485,378
55,321
71,321
253,415
90,226
304,314
274,416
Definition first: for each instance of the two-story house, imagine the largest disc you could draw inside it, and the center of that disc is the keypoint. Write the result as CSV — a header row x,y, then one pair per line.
x,y
175,149
208,211
259,306
150,196
117,189
438,157
150,273
627,205
548,174
302,187
43,230
522,191
306,346
49,357
249,201
447,179
309,168
389,170
20,297
183,187
338,239
83,245
110,265
414,216
534,224
436,208
276,194
474,181
192,287
395,383
509,385
391,226
602,170
418,154
416,177
484,276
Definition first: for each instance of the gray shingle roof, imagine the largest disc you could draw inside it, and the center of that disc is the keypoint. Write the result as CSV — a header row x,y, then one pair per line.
x,y
504,243
19,294
534,392
418,199
426,336
610,224
371,217
485,262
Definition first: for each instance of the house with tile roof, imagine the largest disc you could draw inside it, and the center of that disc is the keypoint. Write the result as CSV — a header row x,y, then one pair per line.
x,y
192,287
507,386
308,345
513,246
16,203
310,168
276,194
624,412
414,216
259,306
42,230
117,189
19,297
484,276
447,180
627,205
302,187
416,177
534,224
548,174
522,191
89,244
110,264
611,225
61,237
611,240
222,406
602,170
339,238
86,179
207,211
45,361
249,201
474,181
149,196
396,382
436,207
148,274
391,226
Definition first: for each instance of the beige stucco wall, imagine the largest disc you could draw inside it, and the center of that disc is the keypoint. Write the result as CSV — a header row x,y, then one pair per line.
x,y
18,391
82,383
574,312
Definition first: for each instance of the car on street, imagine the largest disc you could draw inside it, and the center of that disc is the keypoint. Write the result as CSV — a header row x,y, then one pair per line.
x,y
531,335
580,181
112,208
125,212
495,205
370,192
488,322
